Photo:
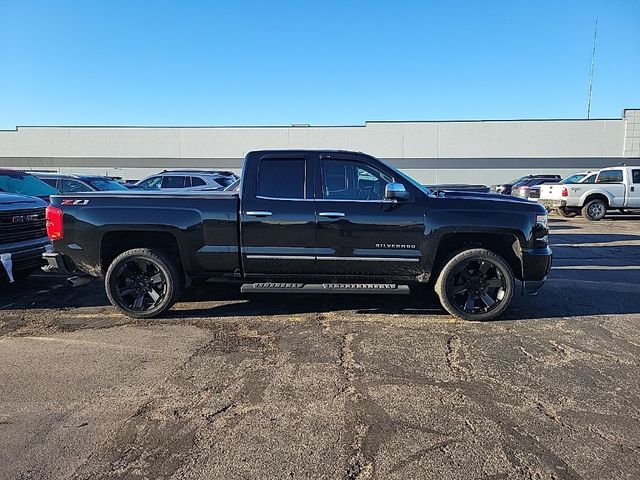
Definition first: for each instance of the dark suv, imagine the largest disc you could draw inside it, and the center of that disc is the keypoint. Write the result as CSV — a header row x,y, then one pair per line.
x,y
23,235
77,183
505,188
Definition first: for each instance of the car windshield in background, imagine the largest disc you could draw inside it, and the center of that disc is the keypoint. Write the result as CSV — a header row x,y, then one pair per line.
x,y
104,184
25,184
225,181
573,178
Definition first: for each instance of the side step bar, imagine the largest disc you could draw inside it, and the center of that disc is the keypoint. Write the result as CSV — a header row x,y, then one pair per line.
x,y
359,288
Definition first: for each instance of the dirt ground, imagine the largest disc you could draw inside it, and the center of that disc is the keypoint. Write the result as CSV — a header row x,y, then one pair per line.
x,y
335,387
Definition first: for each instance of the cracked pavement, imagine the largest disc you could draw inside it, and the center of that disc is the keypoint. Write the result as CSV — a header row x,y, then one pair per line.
x,y
331,387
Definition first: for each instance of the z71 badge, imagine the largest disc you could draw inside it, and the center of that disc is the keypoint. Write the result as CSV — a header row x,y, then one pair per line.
x,y
74,202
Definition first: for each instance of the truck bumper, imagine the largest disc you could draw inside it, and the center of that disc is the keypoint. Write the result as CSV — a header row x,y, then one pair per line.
x,y
54,263
552,204
536,264
22,256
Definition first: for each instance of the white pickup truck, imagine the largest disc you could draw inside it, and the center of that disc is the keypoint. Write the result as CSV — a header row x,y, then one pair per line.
x,y
613,188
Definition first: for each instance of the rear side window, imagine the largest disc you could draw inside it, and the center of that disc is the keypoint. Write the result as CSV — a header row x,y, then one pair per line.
x,y
174,182
197,182
281,178
50,181
635,174
610,176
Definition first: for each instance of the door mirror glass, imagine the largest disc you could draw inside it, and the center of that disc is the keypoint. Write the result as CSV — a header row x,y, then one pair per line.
x,y
396,191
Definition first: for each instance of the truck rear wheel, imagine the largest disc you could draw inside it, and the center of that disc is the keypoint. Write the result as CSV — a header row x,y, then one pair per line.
x,y
476,284
143,283
594,209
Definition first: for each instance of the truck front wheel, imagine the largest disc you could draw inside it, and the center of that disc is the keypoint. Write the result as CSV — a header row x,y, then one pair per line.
x,y
594,209
143,283
476,284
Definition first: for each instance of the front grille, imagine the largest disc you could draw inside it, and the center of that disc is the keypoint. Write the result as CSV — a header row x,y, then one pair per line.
x,y
21,225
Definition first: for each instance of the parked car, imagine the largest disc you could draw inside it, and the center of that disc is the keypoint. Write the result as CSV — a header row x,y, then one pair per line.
x,y
309,222
71,183
612,188
527,188
458,187
581,177
16,181
193,179
23,236
505,188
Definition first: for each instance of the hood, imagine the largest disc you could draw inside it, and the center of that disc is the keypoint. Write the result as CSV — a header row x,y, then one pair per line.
x,y
494,199
14,201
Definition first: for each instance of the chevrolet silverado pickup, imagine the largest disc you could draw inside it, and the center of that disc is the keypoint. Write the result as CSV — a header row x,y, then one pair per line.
x,y
611,188
305,222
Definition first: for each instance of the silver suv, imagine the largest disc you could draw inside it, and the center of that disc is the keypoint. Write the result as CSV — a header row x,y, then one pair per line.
x,y
191,179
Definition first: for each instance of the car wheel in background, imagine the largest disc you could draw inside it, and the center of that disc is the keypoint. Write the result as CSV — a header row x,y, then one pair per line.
x,y
594,209
566,213
143,283
476,284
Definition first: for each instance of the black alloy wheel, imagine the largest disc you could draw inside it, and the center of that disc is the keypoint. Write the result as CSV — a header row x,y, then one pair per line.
x,y
142,283
476,284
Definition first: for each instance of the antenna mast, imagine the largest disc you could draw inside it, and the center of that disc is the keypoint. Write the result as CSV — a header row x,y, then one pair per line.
x,y
593,64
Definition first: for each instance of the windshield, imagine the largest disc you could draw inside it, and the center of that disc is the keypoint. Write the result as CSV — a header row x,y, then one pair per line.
x,y
573,178
104,184
408,179
25,184
225,181
517,180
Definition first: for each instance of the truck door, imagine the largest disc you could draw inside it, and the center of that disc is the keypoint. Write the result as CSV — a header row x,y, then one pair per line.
x,y
278,231
633,197
360,232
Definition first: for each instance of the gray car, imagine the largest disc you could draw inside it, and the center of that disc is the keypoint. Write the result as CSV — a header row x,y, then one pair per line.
x,y
189,179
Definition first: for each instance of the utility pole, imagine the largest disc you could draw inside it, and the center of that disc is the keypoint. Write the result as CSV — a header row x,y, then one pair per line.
x,y
593,64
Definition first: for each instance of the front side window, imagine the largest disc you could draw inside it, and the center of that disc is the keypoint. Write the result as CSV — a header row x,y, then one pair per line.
x,y
347,180
610,176
171,181
281,178
73,186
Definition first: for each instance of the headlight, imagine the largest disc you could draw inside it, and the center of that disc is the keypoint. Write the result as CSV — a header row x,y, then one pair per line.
x,y
543,219
541,231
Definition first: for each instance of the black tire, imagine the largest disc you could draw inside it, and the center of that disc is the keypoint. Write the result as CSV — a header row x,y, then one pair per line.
x,y
143,283
566,213
476,284
594,210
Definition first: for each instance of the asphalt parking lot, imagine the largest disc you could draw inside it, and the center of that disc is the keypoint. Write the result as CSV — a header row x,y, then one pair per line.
x,y
332,387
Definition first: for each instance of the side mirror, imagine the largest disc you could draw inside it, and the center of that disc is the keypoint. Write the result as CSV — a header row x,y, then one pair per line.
x,y
396,191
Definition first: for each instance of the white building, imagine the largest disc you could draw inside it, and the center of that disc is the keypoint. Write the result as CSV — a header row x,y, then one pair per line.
x,y
432,152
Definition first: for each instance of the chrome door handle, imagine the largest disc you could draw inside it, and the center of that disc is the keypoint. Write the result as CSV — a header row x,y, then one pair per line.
x,y
259,213
332,214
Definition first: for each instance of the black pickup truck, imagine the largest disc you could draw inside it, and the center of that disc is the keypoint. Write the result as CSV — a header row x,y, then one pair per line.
x,y
305,222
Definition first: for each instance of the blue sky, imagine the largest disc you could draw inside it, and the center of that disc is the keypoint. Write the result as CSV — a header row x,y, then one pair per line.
x,y
326,62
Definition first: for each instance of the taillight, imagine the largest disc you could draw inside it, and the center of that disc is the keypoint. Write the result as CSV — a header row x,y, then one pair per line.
x,y
55,229
565,192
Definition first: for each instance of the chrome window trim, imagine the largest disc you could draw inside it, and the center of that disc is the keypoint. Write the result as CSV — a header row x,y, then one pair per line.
x,y
261,197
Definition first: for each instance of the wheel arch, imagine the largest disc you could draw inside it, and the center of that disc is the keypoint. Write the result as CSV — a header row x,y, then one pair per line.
x,y
507,245
115,242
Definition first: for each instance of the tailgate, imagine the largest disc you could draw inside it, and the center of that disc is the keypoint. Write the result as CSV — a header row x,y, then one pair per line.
x,y
551,192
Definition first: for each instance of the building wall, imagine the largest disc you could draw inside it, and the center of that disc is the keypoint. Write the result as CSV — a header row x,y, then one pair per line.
x,y
433,152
